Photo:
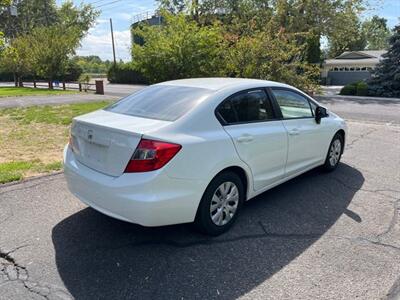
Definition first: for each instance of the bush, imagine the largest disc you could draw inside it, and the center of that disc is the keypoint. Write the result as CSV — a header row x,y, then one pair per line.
x,y
362,89
359,88
72,71
6,76
180,48
125,73
84,79
349,89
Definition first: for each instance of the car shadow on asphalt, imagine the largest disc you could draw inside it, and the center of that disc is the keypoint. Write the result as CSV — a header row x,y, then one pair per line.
x,y
99,257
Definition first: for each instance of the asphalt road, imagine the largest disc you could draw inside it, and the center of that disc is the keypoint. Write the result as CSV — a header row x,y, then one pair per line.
x,y
319,236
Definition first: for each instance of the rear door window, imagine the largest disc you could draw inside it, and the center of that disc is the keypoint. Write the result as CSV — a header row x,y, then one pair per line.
x,y
161,102
246,107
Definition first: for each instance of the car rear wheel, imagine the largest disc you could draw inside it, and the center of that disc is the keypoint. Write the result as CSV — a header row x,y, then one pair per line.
x,y
334,153
220,204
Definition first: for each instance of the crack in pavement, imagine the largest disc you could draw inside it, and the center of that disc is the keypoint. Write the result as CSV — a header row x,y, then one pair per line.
x,y
394,291
11,271
362,135
394,219
377,191
393,222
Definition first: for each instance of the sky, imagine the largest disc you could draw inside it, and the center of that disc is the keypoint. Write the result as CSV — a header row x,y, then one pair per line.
x,y
122,12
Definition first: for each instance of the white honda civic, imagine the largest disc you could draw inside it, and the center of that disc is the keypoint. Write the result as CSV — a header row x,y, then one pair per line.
x,y
194,150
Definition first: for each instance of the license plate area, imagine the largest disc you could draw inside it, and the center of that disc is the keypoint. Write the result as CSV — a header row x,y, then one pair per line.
x,y
95,153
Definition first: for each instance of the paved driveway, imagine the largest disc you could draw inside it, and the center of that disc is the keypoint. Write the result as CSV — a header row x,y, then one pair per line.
x,y
320,236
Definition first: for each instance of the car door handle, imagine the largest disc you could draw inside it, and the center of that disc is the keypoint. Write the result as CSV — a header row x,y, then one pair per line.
x,y
294,131
246,138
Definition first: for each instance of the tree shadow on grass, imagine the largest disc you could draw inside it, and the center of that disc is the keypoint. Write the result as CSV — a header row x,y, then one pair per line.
x,y
99,257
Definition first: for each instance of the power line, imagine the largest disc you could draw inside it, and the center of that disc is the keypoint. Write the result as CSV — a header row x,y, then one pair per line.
x,y
97,1
112,2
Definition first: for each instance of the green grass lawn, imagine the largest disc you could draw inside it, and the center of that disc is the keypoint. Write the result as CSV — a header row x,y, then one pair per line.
x,y
32,138
27,91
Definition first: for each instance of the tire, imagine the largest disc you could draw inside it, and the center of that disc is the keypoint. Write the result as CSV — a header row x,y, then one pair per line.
x,y
220,217
334,154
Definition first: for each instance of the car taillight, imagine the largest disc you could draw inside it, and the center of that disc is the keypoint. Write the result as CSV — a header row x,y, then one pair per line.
x,y
71,141
151,155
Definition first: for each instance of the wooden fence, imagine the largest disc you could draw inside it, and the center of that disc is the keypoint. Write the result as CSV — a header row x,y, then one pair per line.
x,y
97,87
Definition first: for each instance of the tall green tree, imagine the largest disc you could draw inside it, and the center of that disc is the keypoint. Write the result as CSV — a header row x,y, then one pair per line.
x,y
337,20
17,58
81,17
376,33
51,48
3,5
30,14
386,76
37,13
272,56
346,35
179,48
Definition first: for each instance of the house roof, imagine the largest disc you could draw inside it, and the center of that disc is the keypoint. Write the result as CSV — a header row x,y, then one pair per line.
x,y
368,57
361,54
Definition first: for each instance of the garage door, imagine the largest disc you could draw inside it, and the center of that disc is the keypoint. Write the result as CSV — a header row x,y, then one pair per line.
x,y
345,77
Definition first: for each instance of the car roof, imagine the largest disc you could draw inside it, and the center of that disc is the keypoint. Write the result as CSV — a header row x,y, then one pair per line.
x,y
218,83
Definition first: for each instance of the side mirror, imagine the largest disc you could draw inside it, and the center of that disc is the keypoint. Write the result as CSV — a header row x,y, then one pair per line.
x,y
320,112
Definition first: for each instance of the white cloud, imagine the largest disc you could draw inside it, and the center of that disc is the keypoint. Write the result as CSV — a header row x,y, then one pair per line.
x,y
99,43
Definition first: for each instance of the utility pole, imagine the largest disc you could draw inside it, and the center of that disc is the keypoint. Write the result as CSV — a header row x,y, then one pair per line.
x,y
112,40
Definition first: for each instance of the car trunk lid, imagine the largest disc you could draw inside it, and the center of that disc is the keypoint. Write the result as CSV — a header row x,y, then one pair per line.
x,y
105,141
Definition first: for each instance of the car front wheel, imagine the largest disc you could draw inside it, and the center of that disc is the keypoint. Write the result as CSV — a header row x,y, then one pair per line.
x,y
220,204
334,153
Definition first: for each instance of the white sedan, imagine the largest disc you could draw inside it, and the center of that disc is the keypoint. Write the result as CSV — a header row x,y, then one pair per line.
x,y
194,150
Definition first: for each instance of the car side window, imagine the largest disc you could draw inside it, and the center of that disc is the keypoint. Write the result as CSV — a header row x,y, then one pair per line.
x,y
246,107
292,104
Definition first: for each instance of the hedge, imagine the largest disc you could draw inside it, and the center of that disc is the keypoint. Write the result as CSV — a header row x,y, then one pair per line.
x,y
355,89
124,73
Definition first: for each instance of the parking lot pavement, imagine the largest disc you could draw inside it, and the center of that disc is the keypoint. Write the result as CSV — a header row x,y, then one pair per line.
x,y
320,236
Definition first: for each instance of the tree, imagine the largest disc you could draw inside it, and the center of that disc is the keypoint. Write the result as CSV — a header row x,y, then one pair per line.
x,y
376,33
386,76
179,48
3,4
17,58
337,20
272,56
345,33
37,13
173,6
51,48
81,17
30,14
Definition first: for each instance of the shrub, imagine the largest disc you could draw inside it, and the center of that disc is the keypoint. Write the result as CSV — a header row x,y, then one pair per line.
x,y
125,73
362,89
359,88
349,89
180,48
72,71
6,76
84,79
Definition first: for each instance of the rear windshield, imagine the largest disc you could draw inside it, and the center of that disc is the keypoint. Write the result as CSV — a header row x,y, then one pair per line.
x,y
161,102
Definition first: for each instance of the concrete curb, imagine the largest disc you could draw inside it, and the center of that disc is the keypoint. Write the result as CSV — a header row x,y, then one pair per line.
x,y
29,179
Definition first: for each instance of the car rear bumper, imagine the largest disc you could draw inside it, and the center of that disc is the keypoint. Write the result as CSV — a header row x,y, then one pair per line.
x,y
148,199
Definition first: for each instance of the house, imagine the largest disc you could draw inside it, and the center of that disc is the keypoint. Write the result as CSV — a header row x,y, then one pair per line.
x,y
350,66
